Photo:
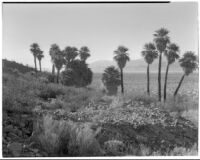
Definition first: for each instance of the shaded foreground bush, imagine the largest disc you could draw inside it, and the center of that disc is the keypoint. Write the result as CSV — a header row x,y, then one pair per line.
x,y
65,138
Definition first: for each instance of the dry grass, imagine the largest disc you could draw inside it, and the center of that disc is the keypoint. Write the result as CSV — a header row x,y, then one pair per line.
x,y
66,138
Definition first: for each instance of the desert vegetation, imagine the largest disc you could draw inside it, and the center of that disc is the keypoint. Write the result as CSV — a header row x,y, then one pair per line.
x,y
72,111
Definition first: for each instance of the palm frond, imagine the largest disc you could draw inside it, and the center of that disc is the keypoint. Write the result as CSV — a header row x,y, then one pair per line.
x,y
121,56
189,62
172,53
149,53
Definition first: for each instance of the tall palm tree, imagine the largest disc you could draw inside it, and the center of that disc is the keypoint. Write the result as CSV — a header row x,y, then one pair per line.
x,y
84,53
39,57
52,52
121,57
149,53
70,53
189,63
172,53
35,49
161,40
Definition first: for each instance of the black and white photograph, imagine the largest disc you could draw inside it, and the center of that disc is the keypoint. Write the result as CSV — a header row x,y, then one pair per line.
x,y
100,79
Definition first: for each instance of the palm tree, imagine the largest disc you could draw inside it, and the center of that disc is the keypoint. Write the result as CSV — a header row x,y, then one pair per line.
x,y
161,40
35,49
52,53
70,53
39,57
79,74
84,53
121,57
58,62
111,80
149,53
172,53
189,63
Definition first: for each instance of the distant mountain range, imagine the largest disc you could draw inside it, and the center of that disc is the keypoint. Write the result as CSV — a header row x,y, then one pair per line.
x,y
135,66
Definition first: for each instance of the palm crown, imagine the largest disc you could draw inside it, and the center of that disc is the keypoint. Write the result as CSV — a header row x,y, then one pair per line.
x,y
161,39
189,62
121,56
149,53
111,76
40,55
35,49
172,53
84,53
53,51
70,53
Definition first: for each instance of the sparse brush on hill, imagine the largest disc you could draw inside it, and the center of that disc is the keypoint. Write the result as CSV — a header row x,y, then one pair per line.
x,y
10,65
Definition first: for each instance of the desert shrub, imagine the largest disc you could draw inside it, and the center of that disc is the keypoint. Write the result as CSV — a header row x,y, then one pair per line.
x,y
15,72
59,138
78,75
83,142
76,98
43,79
177,151
57,103
191,115
117,102
181,151
181,102
50,91
114,148
51,78
49,135
144,99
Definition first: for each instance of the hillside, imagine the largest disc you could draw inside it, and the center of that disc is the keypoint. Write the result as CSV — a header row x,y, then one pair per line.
x,y
134,66
11,65
43,119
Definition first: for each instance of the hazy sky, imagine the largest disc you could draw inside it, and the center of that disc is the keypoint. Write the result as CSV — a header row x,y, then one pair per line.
x,y
101,27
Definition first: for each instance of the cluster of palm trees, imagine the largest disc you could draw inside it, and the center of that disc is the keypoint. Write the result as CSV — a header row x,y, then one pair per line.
x,y
37,54
60,58
161,45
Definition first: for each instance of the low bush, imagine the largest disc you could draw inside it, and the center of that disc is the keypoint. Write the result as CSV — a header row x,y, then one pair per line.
x,y
66,138
50,90
51,78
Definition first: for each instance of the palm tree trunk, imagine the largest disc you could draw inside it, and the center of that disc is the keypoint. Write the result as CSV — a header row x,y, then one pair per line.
x,y
148,90
40,65
122,81
159,76
165,86
53,69
35,64
175,93
58,73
